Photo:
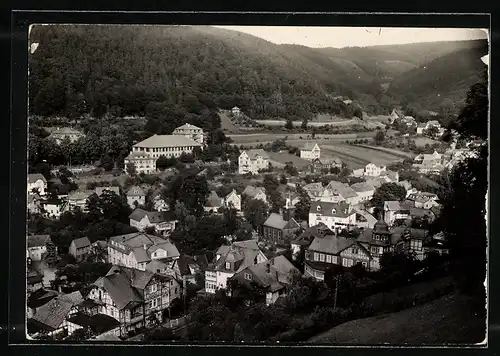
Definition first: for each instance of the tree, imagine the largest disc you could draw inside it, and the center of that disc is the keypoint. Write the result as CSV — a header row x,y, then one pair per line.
x,y
303,206
388,192
432,131
290,169
289,124
256,212
379,137
190,189
304,124
131,170
107,163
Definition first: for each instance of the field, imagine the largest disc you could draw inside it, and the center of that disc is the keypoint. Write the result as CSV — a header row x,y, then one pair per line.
x,y
444,321
356,156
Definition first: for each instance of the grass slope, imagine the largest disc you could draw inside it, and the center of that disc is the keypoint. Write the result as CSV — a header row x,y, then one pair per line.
x,y
444,321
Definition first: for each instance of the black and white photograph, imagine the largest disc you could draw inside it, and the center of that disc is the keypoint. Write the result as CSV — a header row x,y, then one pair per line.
x,y
206,184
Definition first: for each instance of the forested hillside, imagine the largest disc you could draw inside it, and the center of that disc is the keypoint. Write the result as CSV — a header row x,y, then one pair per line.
x,y
177,74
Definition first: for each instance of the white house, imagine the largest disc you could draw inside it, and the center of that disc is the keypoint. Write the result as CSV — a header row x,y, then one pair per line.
x,y
59,134
78,199
251,161
137,250
364,190
142,161
233,199
395,210
421,128
372,170
79,247
310,151
190,131
230,260
142,219
37,246
52,208
136,196
37,181
336,216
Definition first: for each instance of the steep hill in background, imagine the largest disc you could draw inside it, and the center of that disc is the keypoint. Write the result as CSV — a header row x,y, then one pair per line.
x,y
185,73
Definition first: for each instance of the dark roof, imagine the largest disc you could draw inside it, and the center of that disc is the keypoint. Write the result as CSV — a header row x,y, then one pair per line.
x,y
310,233
401,232
98,323
420,212
81,242
186,263
278,222
340,210
53,313
332,244
34,277
153,216
41,297
381,227
38,240
119,288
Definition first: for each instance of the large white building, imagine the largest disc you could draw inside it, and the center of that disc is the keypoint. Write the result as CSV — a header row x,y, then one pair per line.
x,y
137,250
251,161
190,131
145,153
370,170
310,151
336,216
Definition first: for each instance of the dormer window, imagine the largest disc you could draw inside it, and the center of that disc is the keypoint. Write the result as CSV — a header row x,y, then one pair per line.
x,y
248,276
334,211
318,208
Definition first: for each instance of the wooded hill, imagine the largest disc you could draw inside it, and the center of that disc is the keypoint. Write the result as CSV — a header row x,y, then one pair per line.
x,y
188,73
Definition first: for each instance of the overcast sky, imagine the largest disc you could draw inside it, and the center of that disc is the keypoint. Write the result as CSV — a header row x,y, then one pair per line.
x,y
356,36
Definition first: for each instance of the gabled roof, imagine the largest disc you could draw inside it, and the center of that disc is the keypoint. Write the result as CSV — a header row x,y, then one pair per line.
x,y
38,240
340,210
54,312
135,190
342,189
276,221
272,274
157,141
187,126
135,242
332,244
420,212
213,200
362,187
154,217
309,146
189,265
80,194
310,233
253,153
120,289
81,242
33,177
253,191
241,253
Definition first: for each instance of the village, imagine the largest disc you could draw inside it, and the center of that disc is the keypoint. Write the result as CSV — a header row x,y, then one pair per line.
x,y
292,219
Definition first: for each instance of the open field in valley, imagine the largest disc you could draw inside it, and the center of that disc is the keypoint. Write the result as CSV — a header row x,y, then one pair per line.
x,y
356,156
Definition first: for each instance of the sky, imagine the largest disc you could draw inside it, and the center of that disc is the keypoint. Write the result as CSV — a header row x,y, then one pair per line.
x,y
356,36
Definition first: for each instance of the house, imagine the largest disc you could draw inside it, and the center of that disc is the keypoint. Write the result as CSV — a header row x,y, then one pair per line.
x,y
160,204
34,281
336,216
291,199
319,165
377,241
190,131
142,161
186,267
310,151
230,260
233,200
364,190
33,204
397,114
78,199
101,325
236,111
158,145
314,190
213,203
137,250
370,170
251,161
421,215
410,241
37,246
60,134
52,318
79,248
136,197
52,208
332,249
336,192
409,121
305,238
37,183
432,123
435,243
38,298
421,127
395,212
100,249
280,229
391,176
100,190
423,199
273,276
133,297
256,193
428,163
365,220
163,222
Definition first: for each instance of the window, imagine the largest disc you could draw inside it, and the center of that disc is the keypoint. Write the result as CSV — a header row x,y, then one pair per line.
x,y
248,276
316,257
334,211
322,257
334,259
153,288
318,208
374,249
228,265
355,250
328,259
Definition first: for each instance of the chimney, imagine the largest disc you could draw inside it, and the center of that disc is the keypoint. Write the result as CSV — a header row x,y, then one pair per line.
x,y
145,246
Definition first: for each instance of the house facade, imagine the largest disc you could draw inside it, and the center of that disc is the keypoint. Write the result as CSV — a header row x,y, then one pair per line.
x,y
137,250
79,248
364,190
142,161
136,196
280,229
251,161
395,211
78,199
142,219
233,200
318,165
37,246
51,208
335,216
230,260
192,132
310,151
37,182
